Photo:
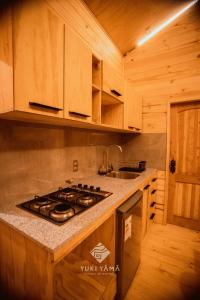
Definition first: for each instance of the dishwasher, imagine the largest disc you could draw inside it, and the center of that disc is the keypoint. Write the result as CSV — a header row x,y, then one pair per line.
x,y
128,242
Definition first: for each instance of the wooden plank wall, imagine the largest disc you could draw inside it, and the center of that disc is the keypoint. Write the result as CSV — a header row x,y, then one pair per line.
x,y
76,14
166,69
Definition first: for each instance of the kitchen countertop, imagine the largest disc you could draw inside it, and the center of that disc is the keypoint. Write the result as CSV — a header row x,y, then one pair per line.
x,y
69,235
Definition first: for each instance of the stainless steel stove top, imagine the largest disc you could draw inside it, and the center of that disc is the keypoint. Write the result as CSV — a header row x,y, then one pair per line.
x,y
60,206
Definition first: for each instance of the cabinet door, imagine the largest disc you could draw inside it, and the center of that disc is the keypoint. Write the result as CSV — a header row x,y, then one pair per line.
x,y
133,111
78,77
112,81
38,59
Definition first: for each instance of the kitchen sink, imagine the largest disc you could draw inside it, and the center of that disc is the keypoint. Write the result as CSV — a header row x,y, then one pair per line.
x,y
122,175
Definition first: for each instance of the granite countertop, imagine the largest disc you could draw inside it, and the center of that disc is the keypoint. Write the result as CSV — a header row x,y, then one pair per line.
x,y
51,236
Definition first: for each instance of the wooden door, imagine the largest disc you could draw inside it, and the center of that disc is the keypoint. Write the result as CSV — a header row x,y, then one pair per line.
x,y
133,111
184,183
78,77
38,59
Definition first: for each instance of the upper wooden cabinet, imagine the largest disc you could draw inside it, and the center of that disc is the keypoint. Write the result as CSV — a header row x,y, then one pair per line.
x,y
38,45
113,83
77,77
133,108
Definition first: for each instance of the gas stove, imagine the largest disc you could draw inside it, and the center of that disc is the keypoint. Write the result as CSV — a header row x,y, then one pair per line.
x,y
65,203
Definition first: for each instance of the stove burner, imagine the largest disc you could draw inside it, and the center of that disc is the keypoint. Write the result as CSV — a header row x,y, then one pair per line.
x,y
62,208
42,200
39,202
86,200
62,212
66,195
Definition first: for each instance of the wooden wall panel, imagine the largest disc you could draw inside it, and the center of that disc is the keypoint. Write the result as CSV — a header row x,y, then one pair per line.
x,y
154,122
167,69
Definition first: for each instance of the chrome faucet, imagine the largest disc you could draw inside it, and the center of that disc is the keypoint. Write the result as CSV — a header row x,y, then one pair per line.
x,y
109,166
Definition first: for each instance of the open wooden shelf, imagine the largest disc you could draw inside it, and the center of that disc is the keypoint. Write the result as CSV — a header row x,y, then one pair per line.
x,y
113,115
109,99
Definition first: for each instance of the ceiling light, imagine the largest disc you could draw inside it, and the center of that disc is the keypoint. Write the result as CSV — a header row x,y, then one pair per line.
x,y
163,25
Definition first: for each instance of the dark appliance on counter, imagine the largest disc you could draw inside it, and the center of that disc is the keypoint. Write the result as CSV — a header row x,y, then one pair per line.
x,y
128,242
134,166
60,206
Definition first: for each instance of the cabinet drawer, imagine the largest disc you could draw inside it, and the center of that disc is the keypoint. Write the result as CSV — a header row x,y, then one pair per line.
x,y
160,197
161,184
154,184
159,216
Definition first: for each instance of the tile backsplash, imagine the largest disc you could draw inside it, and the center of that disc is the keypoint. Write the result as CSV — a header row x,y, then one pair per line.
x,y
36,158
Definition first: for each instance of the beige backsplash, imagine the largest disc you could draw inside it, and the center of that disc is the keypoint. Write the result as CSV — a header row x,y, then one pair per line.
x,y
36,158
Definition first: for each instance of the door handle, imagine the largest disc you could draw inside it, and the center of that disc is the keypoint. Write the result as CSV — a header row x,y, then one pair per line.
x,y
147,186
172,166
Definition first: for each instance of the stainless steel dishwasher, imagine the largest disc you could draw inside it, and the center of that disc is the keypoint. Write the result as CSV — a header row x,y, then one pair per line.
x,y
128,242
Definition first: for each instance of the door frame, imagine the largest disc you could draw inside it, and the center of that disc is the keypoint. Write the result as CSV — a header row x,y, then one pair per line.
x,y
170,103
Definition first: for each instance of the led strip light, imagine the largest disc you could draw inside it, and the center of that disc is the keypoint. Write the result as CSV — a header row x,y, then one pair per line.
x,y
163,25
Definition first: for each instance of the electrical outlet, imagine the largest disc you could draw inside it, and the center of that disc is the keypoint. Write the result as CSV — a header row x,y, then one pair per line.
x,y
75,165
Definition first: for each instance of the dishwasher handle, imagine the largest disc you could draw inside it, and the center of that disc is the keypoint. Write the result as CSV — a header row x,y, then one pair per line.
x,y
130,203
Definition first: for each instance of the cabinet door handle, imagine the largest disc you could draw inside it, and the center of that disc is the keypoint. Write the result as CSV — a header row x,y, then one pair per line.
x,y
154,179
153,204
79,114
152,216
40,105
147,186
131,127
153,192
172,166
116,93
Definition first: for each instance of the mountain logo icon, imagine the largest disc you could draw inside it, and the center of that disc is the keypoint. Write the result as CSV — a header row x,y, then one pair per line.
x,y
100,252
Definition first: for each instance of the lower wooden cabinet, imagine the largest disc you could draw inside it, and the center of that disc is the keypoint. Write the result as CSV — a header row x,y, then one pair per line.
x,y
28,270
80,275
149,205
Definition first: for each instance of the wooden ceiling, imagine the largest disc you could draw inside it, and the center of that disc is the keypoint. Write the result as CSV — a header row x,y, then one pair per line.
x,y
126,21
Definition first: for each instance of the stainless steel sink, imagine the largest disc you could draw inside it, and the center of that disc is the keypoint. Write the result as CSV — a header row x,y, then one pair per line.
x,y
122,175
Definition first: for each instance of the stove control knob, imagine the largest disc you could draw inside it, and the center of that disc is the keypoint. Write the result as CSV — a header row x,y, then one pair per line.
x,y
85,186
98,189
80,185
91,187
